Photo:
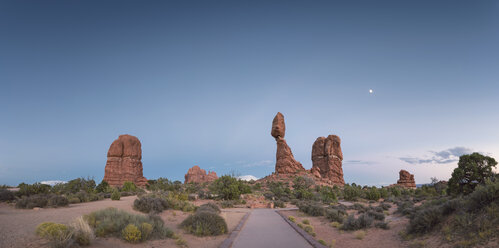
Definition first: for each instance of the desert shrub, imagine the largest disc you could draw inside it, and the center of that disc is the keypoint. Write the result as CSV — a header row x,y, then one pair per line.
x,y
278,190
228,203
322,242
309,229
131,233
351,192
73,200
230,188
395,191
304,194
33,189
279,204
385,206
145,230
111,222
209,207
82,232
360,234
352,223
359,207
205,223
405,208
115,196
451,206
292,219
302,182
335,215
483,195
32,201
129,187
306,222
327,194
6,195
376,215
382,225
372,193
57,201
425,220
313,209
147,204
335,224
59,235
103,187
472,170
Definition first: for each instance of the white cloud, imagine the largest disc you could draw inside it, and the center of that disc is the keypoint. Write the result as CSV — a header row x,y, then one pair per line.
x,y
247,177
52,182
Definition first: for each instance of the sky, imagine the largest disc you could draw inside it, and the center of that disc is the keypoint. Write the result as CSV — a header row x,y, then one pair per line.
x,y
199,82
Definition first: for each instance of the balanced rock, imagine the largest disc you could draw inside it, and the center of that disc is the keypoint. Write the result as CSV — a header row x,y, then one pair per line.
x,y
198,175
327,159
406,179
124,162
285,161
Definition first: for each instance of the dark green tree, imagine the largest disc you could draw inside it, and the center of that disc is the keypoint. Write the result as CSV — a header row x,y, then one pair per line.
x,y
471,171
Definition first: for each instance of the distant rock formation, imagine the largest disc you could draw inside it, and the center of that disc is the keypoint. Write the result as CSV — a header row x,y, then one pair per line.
x,y
327,159
198,175
406,179
123,162
285,161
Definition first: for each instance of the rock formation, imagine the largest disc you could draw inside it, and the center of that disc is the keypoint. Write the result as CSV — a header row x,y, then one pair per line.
x,y
327,159
198,175
406,179
123,162
285,161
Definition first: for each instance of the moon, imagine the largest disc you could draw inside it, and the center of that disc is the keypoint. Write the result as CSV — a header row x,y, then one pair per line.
x,y
370,91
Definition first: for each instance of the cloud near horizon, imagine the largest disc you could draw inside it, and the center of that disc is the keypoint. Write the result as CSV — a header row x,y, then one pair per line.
x,y
441,157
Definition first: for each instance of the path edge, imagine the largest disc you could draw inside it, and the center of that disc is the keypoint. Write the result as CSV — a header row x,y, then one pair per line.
x,y
302,232
227,243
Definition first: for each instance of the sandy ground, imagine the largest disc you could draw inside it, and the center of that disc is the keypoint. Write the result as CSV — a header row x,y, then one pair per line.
x,y
17,226
374,237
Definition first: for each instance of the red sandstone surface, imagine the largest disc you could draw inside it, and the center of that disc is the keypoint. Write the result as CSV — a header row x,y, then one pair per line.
x,y
198,175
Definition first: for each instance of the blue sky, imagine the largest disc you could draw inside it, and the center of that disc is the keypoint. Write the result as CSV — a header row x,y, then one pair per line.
x,y
199,82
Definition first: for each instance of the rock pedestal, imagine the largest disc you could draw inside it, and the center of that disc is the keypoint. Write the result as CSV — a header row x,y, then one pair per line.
x,y
327,159
285,161
124,162
198,175
406,179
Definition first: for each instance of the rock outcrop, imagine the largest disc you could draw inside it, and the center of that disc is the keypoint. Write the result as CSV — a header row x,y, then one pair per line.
x,y
124,162
285,161
406,179
327,159
198,175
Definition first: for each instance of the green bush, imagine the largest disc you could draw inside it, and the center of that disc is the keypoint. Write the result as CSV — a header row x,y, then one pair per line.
x,y
229,188
292,219
303,182
59,235
313,209
376,215
129,187
351,193
79,184
6,195
335,215
103,187
205,223
372,194
351,223
425,220
82,232
145,230
57,201
483,195
111,222
382,225
32,201
131,233
115,196
209,207
147,204
33,189
279,204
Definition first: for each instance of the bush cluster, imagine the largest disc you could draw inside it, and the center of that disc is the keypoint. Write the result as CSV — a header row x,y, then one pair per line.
x,y
352,223
60,235
113,222
41,201
311,208
6,195
229,188
206,221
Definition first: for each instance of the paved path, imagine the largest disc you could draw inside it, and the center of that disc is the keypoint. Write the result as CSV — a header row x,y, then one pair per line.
x,y
265,228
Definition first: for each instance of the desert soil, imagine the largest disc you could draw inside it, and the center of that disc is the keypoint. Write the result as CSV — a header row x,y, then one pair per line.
x,y
17,226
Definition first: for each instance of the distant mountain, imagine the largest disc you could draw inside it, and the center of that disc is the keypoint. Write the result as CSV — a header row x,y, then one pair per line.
x,y
247,177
